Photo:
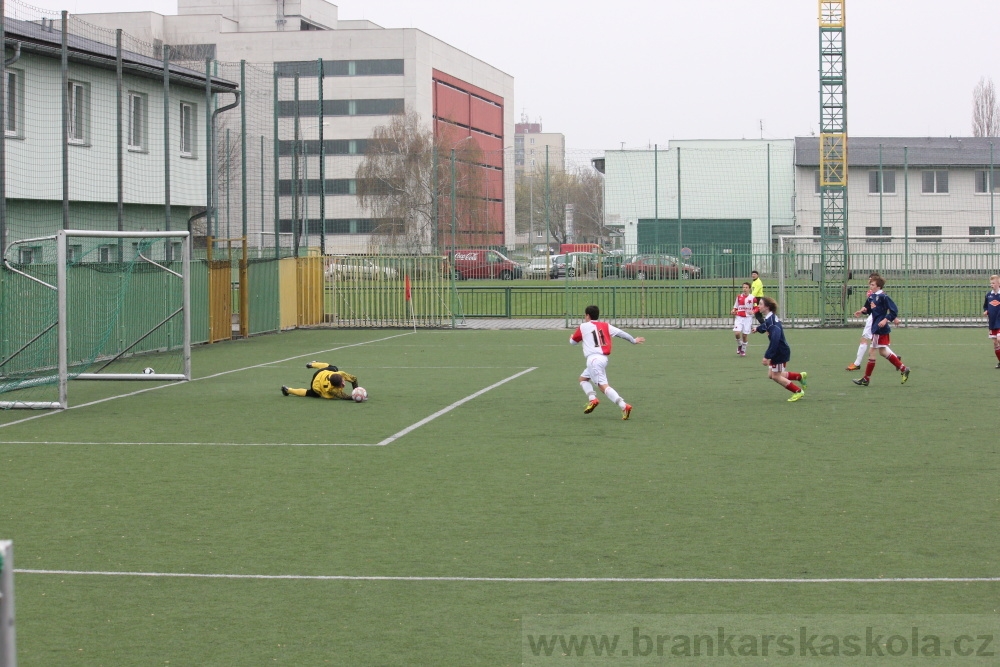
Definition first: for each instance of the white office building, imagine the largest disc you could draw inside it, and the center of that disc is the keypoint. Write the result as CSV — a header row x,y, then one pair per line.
x,y
370,73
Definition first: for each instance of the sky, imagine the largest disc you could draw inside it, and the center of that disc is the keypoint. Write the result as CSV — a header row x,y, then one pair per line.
x,y
635,73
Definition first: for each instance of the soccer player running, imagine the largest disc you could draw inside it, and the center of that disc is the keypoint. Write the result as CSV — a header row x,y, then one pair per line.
x,y
991,311
883,311
327,382
778,353
866,335
757,289
743,311
596,338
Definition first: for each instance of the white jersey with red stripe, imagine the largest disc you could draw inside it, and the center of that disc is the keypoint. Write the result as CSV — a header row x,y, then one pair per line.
x,y
744,305
596,337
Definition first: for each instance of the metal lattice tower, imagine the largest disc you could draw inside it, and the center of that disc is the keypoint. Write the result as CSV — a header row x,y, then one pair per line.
x,y
833,161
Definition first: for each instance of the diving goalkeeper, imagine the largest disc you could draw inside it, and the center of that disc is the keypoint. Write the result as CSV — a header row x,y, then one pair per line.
x,y
327,382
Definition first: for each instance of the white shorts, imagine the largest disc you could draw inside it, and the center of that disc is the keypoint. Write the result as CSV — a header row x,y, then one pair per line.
x,y
596,370
778,368
867,333
743,324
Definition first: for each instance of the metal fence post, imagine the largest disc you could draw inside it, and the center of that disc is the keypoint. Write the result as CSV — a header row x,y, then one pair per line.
x,y
322,165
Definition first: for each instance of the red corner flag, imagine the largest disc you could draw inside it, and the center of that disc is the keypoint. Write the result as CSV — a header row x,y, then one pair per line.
x,y
406,283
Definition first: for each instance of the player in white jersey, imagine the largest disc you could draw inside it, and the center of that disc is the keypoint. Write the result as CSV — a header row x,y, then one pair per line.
x,y
743,322
596,338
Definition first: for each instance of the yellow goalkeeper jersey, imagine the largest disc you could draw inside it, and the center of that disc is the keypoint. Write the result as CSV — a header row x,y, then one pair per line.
x,y
321,384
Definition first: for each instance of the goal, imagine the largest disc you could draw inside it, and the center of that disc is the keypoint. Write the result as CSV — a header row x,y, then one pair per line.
x,y
8,653
93,305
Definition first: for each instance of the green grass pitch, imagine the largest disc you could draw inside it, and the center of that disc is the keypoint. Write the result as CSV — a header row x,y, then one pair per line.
x,y
715,476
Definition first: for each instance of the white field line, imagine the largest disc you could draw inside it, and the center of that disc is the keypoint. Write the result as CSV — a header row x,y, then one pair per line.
x,y
199,379
451,407
533,580
383,443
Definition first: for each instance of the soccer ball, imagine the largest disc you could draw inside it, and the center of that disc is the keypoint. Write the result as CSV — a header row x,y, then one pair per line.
x,y
148,370
360,395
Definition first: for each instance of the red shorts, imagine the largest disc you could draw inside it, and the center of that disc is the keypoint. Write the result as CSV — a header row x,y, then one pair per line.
x,y
994,333
880,340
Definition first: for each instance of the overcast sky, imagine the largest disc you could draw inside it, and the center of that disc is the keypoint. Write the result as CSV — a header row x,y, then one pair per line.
x,y
643,72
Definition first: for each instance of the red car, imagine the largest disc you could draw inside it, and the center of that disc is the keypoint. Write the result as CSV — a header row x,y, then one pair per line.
x,y
658,266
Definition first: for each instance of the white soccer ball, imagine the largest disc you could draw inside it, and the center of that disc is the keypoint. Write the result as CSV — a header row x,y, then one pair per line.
x,y
148,370
360,395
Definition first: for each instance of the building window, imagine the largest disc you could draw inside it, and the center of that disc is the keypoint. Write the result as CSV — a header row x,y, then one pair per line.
x,y
882,182
29,255
12,103
982,234
816,187
104,254
831,231
310,68
878,234
79,113
983,180
330,147
188,134
74,253
934,182
339,225
928,234
136,122
311,187
376,107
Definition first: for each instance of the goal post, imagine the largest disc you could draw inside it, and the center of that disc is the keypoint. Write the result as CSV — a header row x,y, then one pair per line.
x,y
8,652
916,258
94,305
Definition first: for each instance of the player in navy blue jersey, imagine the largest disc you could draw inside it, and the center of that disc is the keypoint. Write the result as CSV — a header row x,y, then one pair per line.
x,y
883,311
778,353
991,311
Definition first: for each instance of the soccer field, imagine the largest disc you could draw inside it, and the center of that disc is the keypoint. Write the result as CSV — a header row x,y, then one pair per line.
x,y
217,522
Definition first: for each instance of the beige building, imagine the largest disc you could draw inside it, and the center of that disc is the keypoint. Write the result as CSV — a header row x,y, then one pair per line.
x,y
530,145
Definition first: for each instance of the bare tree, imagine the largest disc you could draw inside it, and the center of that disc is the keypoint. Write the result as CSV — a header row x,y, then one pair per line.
x,y
583,188
985,110
405,181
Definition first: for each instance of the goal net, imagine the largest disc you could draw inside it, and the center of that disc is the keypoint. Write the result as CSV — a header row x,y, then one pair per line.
x,y
92,305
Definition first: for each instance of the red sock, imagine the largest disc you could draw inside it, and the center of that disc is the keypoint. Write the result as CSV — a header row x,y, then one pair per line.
x,y
894,360
794,376
869,368
792,387
997,351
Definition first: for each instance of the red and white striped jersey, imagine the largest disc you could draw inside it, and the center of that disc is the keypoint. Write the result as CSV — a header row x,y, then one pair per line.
x,y
744,305
596,337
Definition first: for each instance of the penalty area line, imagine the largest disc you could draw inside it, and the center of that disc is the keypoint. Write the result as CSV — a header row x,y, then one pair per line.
x,y
451,407
199,379
531,580
383,443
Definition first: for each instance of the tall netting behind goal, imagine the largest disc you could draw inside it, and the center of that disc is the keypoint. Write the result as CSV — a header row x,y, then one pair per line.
x,y
92,305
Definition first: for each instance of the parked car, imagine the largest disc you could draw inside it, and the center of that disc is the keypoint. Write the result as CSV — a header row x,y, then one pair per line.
x,y
484,264
658,266
579,263
540,266
359,268
610,264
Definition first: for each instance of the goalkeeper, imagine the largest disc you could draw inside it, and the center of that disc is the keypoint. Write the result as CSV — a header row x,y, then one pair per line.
x,y
327,382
